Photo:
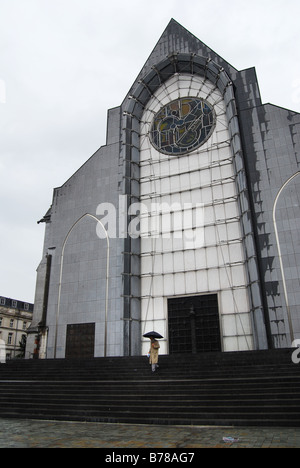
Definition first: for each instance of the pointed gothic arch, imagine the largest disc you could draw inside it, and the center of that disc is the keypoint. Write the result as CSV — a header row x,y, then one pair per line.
x,y
279,248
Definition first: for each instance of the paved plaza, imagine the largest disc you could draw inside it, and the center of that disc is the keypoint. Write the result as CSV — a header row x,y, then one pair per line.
x,y
17,433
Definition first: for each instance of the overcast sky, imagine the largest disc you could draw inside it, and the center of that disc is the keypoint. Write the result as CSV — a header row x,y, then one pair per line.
x,y
56,86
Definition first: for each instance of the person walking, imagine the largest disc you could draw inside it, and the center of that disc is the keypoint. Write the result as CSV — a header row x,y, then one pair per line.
x,y
153,354
2,352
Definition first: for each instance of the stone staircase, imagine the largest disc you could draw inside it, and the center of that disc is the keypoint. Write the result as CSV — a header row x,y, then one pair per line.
x,y
260,388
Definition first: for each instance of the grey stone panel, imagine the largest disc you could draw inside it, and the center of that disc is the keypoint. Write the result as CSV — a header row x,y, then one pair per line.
x,y
147,85
271,139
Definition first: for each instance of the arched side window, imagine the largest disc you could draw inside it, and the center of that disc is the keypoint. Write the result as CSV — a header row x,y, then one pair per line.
x,y
100,227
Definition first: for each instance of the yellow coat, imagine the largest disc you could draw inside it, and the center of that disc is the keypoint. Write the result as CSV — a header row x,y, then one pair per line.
x,y
154,352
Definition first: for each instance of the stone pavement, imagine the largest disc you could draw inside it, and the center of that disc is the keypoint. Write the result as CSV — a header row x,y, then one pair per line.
x,y
18,433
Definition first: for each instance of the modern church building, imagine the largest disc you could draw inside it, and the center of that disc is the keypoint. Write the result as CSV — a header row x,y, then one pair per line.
x,y
186,222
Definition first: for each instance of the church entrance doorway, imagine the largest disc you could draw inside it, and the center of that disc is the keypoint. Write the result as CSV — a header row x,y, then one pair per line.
x,y
80,341
194,325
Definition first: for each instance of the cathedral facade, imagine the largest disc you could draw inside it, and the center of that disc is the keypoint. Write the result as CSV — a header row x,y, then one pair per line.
x,y
186,222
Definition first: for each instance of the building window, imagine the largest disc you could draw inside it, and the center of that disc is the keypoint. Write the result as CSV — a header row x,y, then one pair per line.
x,y
24,325
2,301
11,323
15,304
10,338
26,306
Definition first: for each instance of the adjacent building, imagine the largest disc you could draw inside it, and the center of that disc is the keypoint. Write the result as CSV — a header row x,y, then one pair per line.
x,y
186,222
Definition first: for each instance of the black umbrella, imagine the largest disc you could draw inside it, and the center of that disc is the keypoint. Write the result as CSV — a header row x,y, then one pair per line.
x,y
152,334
